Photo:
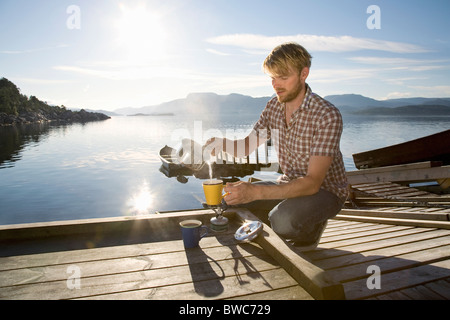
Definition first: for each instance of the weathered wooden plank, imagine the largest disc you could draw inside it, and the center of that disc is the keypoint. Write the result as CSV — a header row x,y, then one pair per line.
x,y
400,222
93,268
441,287
378,186
210,289
417,214
289,293
370,184
364,236
421,292
379,242
402,279
113,252
339,223
73,235
350,264
409,166
311,278
419,174
389,190
107,282
412,195
353,230
161,226
396,295
444,183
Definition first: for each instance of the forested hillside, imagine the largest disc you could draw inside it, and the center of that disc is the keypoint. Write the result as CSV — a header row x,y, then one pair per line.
x,y
17,108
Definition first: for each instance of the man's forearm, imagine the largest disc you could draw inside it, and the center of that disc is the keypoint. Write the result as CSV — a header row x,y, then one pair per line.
x,y
303,186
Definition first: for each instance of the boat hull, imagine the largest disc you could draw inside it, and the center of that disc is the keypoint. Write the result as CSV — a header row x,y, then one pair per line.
x,y
435,147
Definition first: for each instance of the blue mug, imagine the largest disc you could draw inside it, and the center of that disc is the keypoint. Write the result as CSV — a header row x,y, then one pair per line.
x,y
191,232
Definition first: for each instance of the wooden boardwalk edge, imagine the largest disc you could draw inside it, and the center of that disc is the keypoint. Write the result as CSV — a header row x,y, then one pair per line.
x,y
112,225
312,278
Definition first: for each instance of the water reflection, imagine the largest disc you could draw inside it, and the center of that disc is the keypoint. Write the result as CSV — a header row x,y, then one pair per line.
x,y
110,169
13,139
142,201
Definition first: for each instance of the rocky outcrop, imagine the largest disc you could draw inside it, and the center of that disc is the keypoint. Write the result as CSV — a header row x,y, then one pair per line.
x,y
17,108
66,116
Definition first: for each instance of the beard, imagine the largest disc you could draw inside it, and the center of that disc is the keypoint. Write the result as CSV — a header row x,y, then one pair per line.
x,y
291,95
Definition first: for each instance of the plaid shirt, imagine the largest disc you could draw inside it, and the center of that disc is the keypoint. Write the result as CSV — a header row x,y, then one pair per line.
x,y
314,130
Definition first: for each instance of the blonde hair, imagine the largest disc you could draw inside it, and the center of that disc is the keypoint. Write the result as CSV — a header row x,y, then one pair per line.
x,y
285,57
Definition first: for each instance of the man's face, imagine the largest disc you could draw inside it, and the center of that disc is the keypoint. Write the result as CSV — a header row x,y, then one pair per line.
x,y
287,87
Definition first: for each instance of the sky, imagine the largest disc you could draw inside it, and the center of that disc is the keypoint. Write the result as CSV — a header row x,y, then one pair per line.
x,y
110,54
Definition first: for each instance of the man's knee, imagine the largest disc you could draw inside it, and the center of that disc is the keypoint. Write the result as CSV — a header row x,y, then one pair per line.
x,y
281,223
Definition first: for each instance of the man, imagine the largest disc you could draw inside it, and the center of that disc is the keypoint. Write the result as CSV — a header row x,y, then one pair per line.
x,y
306,130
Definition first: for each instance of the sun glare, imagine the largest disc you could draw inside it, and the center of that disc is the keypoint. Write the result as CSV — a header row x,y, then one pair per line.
x,y
141,33
141,202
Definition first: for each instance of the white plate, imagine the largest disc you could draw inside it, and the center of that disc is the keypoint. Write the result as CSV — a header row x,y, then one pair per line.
x,y
248,231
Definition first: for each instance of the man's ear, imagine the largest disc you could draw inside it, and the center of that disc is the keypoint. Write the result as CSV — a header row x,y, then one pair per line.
x,y
304,74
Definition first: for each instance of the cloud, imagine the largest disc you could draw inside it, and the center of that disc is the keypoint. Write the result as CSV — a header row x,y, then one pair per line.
x,y
425,91
397,95
384,60
339,75
433,91
88,72
219,53
39,81
402,63
118,71
314,43
33,50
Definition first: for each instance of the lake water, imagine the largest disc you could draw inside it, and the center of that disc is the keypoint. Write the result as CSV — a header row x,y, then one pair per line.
x,y
112,168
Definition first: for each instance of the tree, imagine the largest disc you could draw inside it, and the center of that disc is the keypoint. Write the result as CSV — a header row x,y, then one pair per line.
x,y
10,97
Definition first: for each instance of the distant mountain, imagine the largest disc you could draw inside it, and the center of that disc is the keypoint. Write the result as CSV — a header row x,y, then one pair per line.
x,y
237,104
205,103
351,103
414,110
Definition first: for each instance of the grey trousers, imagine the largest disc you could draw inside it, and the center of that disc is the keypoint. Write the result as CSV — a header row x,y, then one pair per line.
x,y
297,219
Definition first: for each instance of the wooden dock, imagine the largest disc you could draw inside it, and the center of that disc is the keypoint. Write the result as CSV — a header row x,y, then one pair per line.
x,y
403,231
391,241
411,254
144,258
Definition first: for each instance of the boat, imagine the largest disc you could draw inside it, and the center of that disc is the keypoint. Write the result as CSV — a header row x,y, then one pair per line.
x,y
435,147
173,167
168,158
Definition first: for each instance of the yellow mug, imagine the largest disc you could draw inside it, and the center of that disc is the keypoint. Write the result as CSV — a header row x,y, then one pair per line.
x,y
213,192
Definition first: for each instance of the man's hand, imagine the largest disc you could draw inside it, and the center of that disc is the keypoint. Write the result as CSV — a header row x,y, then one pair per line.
x,y
244,192
213,145
240,192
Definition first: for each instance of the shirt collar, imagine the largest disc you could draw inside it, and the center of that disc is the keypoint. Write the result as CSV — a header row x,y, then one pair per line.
x,y
306,100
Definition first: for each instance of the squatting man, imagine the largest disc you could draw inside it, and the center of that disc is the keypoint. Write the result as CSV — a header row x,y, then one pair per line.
x,y
313,187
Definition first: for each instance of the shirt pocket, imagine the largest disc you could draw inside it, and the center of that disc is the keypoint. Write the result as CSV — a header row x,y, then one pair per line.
x,y
300,140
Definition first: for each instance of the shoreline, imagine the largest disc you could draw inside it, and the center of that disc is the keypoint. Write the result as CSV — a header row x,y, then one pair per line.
x,y
67,116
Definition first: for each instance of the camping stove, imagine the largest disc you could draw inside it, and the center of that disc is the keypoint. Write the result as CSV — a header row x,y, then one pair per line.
x,y
219,223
